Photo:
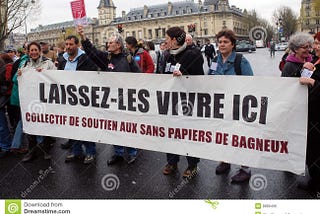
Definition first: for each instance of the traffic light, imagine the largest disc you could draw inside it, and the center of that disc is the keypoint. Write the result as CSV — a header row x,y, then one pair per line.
x,y
120,30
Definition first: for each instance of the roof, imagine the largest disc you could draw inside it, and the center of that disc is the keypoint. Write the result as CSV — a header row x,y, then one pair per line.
x,y
105,3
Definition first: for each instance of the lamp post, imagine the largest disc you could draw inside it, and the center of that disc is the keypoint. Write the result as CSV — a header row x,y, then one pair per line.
x,y
25,19
279,27
64,33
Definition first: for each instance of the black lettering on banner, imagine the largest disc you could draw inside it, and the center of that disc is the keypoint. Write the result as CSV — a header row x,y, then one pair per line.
x,y
204,101
236,107
163,102
131,99
144,105
83,90
175,97
94,96
218,105
106,92
54,94
121,106
263,110
187,103
41,93
245,108
63,95
73,99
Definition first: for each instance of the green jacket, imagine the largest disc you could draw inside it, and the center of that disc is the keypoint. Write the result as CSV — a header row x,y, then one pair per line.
x,y
14,98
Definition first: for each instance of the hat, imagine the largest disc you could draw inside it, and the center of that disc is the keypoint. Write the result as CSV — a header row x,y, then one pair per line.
x,y
9,50
43,43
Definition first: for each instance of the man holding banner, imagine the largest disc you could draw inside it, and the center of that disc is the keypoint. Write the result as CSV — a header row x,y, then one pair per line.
x,y
115,60
75,59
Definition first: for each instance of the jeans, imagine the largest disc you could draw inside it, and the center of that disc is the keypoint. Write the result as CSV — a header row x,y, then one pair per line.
x,y
173,159
5,141
77,147
17,137
119,150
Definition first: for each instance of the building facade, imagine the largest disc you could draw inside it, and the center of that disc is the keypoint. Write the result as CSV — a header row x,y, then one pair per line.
x,y
310,16
202,19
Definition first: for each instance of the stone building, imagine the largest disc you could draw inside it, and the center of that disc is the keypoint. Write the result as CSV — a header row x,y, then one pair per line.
x,y
202,19
310,16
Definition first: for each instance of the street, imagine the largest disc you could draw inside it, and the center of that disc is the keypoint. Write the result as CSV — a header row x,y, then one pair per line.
x,y
143,179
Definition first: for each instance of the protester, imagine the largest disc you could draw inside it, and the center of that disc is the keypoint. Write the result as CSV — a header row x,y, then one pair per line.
x,y
140,55
228,63
60,52
115,60
272,48
163,54
300,45
12,53
154,54
46,52
74,59
5,141
209,52
38,62
181,61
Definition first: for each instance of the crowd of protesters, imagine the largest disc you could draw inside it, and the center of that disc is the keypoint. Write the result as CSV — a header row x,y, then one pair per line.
x,y
178,55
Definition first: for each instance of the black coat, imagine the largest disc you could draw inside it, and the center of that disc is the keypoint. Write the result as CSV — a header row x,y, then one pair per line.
x,y
191,62
84,63
122,62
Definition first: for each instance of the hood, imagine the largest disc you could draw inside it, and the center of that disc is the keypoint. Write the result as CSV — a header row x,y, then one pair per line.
x,y
66,55
294,59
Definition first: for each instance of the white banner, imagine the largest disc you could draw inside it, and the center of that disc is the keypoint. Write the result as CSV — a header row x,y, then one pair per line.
x,y
254,121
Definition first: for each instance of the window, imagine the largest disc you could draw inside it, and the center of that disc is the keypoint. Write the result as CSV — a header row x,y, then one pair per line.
x,y
177,12
205,31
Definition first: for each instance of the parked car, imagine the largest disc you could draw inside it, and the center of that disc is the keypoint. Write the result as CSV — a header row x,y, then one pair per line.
x,y
260,44
281,46
245,46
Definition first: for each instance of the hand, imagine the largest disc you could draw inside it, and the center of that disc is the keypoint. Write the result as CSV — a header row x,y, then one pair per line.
x,y
177,73
309,66
39,69
306,81
81,32
19,72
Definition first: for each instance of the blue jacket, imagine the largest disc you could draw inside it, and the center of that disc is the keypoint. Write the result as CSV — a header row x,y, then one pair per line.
x,y
227,68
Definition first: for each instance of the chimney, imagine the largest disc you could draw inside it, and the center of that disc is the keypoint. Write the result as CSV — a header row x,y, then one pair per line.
x,y
169,8
145,11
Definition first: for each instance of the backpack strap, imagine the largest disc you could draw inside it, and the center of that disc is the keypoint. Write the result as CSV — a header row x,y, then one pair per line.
x,y
237,64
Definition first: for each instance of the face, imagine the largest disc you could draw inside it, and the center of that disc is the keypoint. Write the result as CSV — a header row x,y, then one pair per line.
x,y
225,45
316,47
163,46
44,47
171,43
34,52
303,51
189,40
130,47
113,46
71,47
11,54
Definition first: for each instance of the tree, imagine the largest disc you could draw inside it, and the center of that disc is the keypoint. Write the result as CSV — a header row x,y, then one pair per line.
x,y
13,14
287,19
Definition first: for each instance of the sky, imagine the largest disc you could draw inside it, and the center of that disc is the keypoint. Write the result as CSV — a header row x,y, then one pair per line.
x,y
60,11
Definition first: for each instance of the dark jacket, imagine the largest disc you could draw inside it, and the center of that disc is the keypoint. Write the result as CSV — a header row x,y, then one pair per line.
x,y
84,63
122,62
191,62
293,66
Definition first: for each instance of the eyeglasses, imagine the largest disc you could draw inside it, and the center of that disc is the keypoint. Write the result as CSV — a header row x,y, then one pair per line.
x,y
306,47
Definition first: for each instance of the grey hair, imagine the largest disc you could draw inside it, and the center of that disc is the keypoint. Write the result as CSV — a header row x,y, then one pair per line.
x,y
118,38
298,40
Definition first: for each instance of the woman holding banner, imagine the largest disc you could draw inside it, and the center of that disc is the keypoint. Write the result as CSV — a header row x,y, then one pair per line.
x,y
38,62
313,145
181,61
230,63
